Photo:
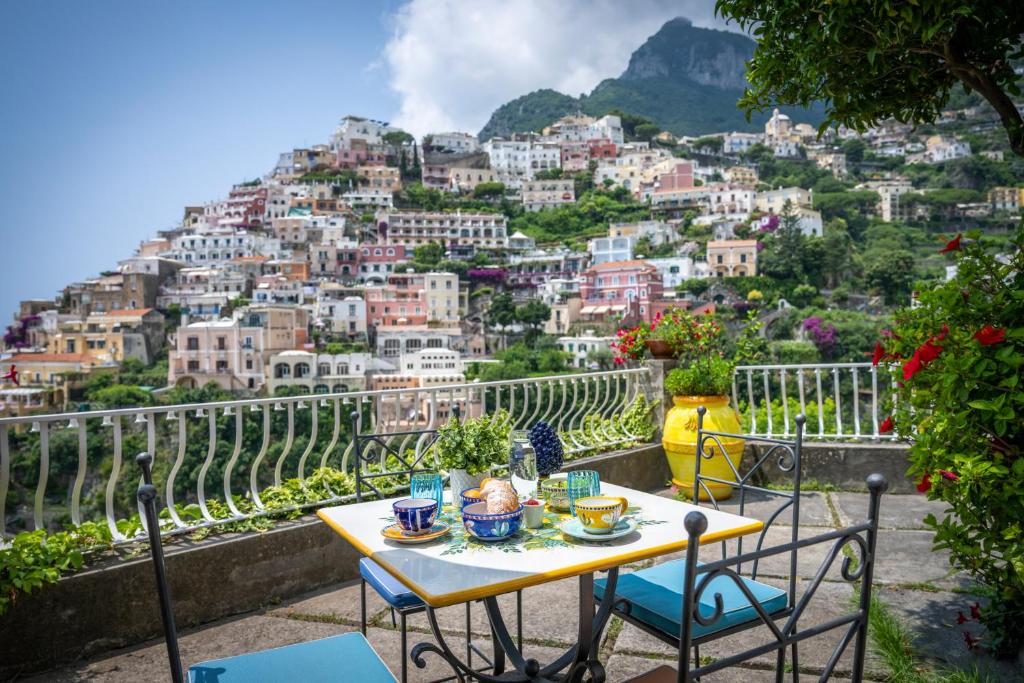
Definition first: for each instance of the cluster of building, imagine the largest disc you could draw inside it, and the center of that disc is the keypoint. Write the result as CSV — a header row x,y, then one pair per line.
x,y
247,292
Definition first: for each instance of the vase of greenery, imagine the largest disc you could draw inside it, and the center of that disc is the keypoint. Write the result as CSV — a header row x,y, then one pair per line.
x,y
702,379
468,450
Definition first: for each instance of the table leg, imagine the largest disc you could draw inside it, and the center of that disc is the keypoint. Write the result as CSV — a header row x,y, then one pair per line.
x,y
577,662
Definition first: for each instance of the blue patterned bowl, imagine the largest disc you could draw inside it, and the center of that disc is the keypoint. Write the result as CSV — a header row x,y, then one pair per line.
x,y
469,500
487,527
415,515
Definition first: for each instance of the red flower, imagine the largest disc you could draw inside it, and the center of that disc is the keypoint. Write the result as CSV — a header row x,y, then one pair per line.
x,y
971,641
989,335
925,485
912,366
950,476
886,426
619,360
942,333
976,611
952,245
961,619
879,353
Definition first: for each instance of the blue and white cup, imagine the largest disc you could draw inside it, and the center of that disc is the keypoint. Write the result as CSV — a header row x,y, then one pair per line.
x,y
415,515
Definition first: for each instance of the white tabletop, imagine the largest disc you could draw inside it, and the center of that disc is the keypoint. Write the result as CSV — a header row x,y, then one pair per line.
x,y
458,568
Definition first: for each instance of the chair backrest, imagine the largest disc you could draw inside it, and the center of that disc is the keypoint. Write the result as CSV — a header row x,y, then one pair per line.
x,y
380,448
781,454
147,501
859,538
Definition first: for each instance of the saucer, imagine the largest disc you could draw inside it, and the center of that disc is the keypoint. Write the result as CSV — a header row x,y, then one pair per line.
x,y
573,527
394,532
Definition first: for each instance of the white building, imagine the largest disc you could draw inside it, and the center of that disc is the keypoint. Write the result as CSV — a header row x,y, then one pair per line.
x,y
608,249
461,143
579,346
520,159
773,201
339,311
359,128
277,289
413,228
581,128
395,340
318,373
217,247
676,269
737,143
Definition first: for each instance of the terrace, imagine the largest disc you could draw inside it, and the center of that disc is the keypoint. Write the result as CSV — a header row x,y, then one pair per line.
x,y
251,580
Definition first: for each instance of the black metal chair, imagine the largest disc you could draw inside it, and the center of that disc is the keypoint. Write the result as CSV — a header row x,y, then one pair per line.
x,y
707,590
343,657
376,449
634,602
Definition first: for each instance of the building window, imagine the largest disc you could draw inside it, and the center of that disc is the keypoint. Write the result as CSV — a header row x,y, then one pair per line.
x,y
248,363
743,258
193,366
222,343
192,343
719,258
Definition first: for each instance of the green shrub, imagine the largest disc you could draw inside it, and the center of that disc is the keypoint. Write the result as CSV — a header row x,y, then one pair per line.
x,y
709,376
475,444
962,409
794,352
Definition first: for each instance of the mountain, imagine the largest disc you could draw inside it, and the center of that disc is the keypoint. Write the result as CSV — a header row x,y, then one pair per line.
x,y
687,79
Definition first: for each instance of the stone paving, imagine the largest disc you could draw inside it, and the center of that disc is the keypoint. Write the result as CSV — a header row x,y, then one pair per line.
x,y
917,584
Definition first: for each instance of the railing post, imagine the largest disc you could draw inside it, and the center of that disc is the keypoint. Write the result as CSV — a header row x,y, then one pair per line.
x,y
658,370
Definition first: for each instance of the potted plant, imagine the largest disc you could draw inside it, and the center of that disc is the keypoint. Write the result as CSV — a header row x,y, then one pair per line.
x,y
468,450
657,338
703,379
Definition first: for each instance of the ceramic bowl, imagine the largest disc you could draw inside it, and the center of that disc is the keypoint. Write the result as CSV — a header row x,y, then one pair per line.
x,y
556,492
415,515
469,500
487,527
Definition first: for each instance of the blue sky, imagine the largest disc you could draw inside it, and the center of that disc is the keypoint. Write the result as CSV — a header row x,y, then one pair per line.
x,y
114,114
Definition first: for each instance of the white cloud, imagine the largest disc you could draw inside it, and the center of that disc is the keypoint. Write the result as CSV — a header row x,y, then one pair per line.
x,y
452,62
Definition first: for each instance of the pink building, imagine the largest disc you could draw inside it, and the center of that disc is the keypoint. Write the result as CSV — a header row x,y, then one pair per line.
x,y
679,178
246,206
378,261
621,289
575,155
602,149
355,153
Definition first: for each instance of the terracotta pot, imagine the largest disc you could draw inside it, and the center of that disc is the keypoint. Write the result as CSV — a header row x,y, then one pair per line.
x,y
660,349
680,442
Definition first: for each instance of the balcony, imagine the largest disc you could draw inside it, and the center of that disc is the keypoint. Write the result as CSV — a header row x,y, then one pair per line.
x,y
230,440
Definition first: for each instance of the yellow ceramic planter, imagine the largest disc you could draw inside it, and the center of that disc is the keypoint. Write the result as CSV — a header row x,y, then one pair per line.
x,y
680,442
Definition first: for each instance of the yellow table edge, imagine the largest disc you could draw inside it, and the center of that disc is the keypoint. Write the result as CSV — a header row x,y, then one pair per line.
x,y
494,589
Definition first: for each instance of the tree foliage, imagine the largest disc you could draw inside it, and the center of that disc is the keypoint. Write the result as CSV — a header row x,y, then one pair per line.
x,y
879,59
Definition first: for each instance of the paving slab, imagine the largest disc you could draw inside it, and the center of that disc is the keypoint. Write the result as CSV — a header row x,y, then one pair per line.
x,y
148,662
623,667
339,604
814,510
906,557
938,639
897,511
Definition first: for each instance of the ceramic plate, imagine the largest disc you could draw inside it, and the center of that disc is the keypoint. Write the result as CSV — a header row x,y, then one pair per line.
x,y
394,532
572,527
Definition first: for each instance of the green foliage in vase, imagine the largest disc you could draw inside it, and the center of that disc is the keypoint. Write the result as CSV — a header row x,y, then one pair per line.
x,y
707,376
474,444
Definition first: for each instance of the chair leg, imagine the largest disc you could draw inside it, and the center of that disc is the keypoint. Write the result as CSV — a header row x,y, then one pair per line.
x,y
696,661
362,606
405,650
394,624
519,620
780,665
796,665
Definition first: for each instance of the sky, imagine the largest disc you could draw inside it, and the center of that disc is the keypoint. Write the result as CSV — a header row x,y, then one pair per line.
x,y
115,114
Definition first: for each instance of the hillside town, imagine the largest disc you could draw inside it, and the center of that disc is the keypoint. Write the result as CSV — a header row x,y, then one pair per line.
x,y
376,261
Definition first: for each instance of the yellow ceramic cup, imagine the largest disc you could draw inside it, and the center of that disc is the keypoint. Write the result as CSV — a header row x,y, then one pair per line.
x,y
600,514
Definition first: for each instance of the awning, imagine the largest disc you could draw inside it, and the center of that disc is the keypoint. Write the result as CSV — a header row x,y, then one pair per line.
x,y
588,310
602,309
617,309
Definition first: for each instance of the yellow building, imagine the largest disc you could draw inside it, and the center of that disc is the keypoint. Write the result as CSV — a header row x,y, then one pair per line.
x,y
105,338
733,258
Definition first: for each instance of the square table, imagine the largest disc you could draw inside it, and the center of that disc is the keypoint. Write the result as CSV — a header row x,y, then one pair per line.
x,y
458,568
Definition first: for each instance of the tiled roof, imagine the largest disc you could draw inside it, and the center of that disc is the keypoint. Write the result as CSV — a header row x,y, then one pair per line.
x,y
125,312
618,265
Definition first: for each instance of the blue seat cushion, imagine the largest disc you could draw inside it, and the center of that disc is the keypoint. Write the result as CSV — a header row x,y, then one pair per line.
x,y
391,589
655,595
347,657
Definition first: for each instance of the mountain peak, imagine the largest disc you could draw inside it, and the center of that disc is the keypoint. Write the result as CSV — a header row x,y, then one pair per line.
x,y
679,50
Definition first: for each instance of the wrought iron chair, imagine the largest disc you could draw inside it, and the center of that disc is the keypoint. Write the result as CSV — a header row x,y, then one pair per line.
x,y
348,655
377,448
709,593
652,597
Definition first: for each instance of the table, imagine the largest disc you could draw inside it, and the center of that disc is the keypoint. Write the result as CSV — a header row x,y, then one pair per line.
x,y
458,568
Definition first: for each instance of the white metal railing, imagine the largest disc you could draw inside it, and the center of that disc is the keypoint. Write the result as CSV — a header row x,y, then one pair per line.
x,y
841,400
54,467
